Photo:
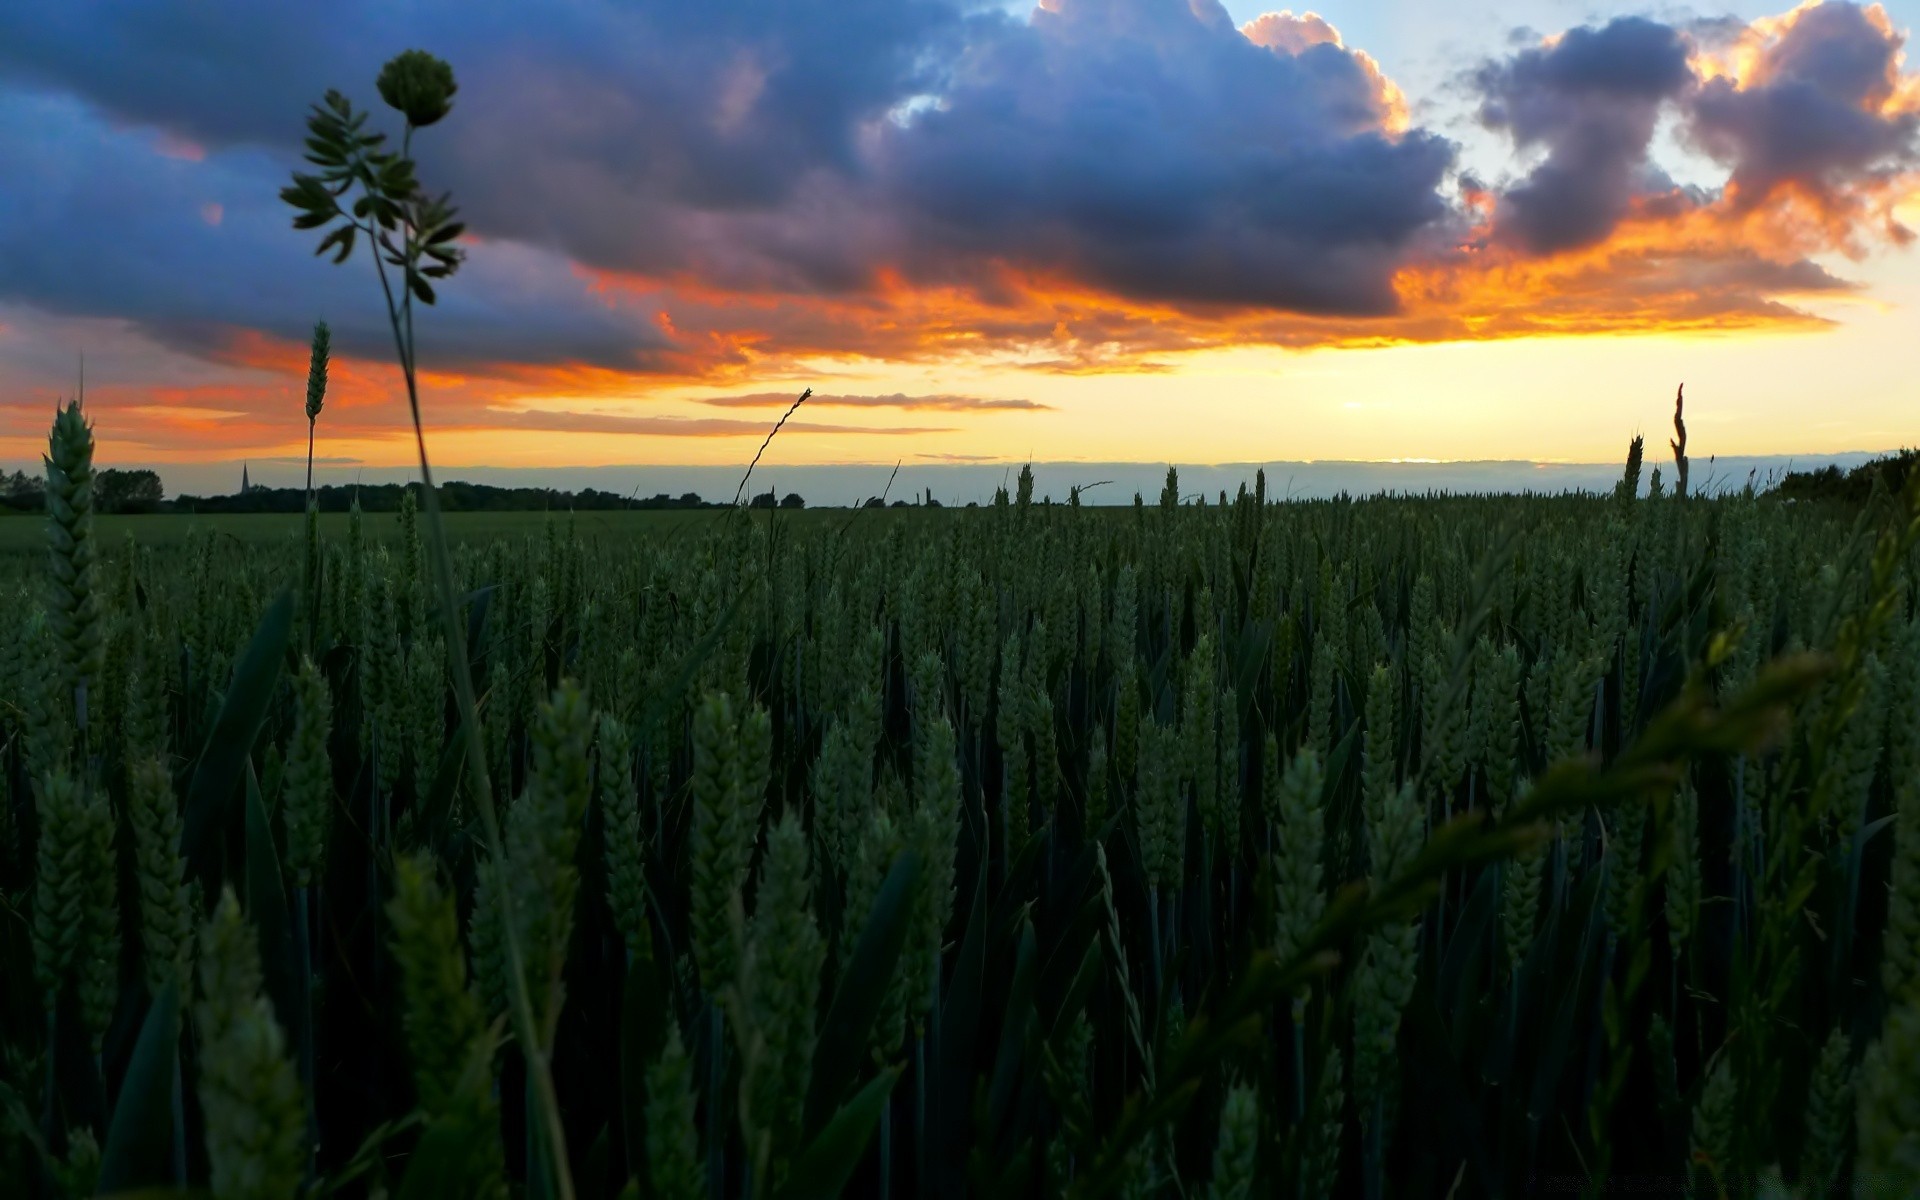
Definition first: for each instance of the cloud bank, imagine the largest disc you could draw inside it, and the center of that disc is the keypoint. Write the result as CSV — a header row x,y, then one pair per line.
x,y
705,194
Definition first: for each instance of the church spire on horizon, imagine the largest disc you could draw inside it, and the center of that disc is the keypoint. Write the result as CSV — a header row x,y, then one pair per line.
x,y
246,485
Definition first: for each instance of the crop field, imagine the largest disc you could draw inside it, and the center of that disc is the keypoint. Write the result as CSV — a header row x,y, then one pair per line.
x,y
26,536
1395,847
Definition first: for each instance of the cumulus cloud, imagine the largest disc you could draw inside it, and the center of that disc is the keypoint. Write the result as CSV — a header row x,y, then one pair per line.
x,y
1128,146
682,193
1591,101
1142,146
1811,113
113,227
1813,105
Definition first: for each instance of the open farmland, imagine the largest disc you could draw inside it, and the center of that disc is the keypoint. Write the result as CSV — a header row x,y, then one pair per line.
x,y
20,536
1372,847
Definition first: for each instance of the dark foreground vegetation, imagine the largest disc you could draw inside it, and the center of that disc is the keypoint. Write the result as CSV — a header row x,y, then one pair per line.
x,y
1310,849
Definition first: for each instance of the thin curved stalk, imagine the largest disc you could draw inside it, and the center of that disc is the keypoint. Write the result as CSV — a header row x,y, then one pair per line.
x,y
456,643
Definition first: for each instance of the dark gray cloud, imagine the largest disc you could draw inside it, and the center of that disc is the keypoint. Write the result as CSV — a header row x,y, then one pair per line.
x,y
1127,145
1591,101
1141,147
563,421
1814,114
883,178
192,252
1808,104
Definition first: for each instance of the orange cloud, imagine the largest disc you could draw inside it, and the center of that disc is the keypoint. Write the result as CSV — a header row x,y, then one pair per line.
x,y
1289,34
897,400
956,242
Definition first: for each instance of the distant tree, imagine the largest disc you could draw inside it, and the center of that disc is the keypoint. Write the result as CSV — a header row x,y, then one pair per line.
x,y
791,500
691,500
763,500
20,485
117,491
1856,486
900,504
874,502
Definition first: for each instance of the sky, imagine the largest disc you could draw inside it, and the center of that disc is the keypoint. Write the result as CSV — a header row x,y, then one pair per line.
x,y
1091,232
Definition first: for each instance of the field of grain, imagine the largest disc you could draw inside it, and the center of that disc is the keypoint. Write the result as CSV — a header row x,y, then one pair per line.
x,y
1384,848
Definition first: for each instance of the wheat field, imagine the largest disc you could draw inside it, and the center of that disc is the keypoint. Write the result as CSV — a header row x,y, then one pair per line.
x,y
1472,846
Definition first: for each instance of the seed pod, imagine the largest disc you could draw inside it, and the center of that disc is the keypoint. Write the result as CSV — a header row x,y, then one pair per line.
x,y
1200,767
1830,1105
76,926
1012,726
729,757
674,1166
148,721
1683,871
48,716
1160,816
620,815
498,720
353,586
1394,833
79,1175
1380,744
425,716
408,602
1320,1162
166,920
878,843
1097,803
255,1121
487,938
1622,865
1889,1105
1713,1128
309,777
935,830
250,1097
384,668
1298,896
543,829
317,370
1520,897
1046,748
1382,986
1236,1150
447,1036
779,987
73,607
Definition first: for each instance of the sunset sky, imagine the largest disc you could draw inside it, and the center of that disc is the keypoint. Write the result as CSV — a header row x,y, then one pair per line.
x,y
1096,230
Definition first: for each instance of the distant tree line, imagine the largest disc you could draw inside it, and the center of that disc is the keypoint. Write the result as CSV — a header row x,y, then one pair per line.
x,y
765,500
455,496
140,491
1855,486
116,491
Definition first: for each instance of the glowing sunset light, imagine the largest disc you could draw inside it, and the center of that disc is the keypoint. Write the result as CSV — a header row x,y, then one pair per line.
x,y
1093,230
